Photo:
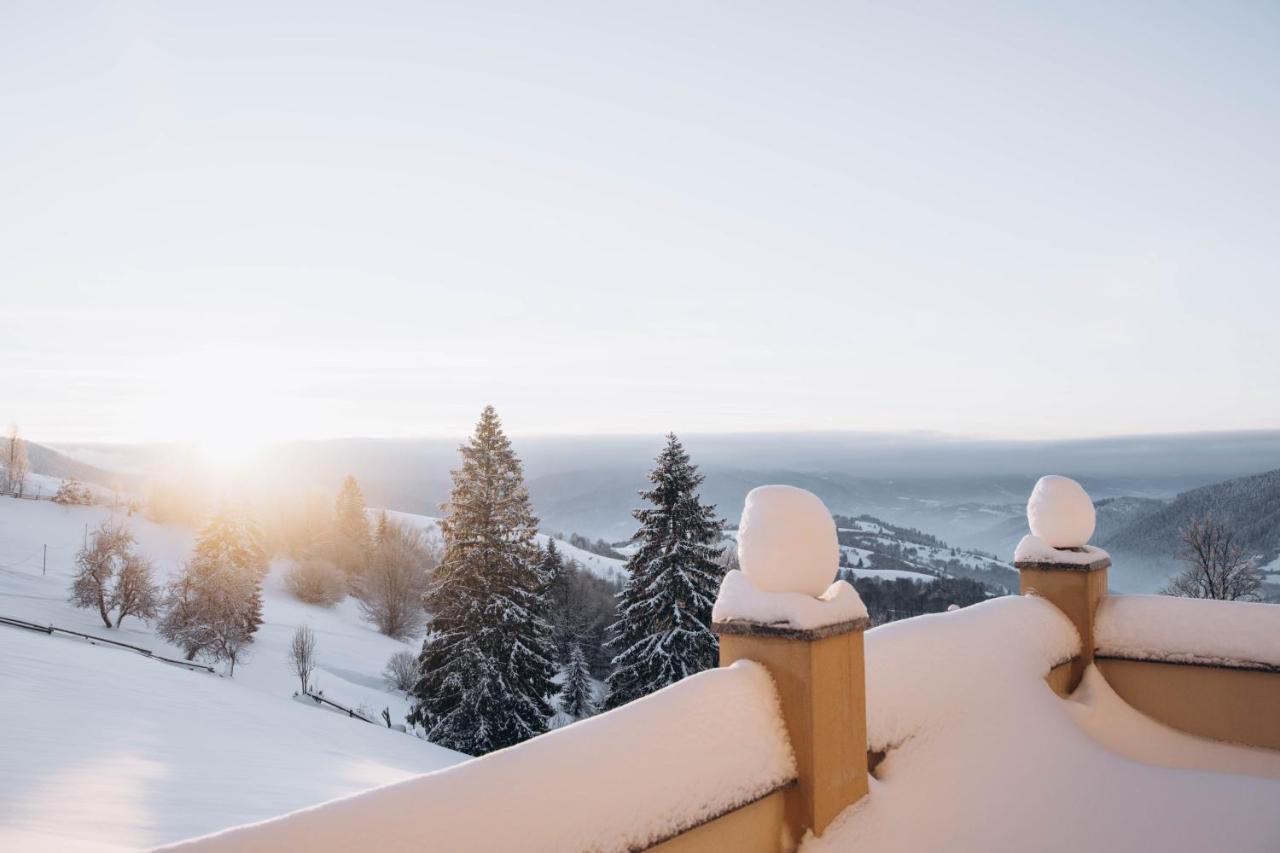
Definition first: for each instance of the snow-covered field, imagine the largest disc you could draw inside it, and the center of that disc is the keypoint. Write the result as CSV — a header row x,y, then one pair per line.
x,y
104,747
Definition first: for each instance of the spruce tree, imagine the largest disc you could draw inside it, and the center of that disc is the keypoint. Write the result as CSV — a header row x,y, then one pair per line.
x,y
663,632
350,516
487,660
576,696
551,568
351,541
215,606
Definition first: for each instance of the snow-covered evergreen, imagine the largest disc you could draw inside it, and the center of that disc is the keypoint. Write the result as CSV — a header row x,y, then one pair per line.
x,y
71,492
487,661
663,632
577,698
214,607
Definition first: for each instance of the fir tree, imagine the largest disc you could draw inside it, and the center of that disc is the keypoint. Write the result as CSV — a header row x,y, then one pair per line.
x,y
486,662
576,696
352,540
663,632
350,515
215,606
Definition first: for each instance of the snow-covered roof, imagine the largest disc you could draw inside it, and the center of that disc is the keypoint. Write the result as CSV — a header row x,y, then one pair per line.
x,y
1187,630
619,781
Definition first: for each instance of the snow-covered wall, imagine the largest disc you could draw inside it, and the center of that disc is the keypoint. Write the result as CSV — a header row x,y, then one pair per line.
x,y
924,672
618,781
1189,630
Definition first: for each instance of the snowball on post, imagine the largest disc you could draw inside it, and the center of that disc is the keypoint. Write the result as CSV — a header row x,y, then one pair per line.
x,y
789,553
783,611
1056,562
1060,512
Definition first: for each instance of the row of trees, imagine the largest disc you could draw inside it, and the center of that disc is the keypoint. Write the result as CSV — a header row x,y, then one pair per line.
x,y
502,617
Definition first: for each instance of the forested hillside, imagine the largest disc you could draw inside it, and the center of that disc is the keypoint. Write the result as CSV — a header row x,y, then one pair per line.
x,y
1250,505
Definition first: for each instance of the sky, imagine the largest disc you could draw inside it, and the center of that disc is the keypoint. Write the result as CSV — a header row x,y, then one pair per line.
x,y
244,222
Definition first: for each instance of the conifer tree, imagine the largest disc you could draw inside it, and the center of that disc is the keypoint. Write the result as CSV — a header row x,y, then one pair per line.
x,y
353,541
663,632
576,696
349,511
487,660
215,606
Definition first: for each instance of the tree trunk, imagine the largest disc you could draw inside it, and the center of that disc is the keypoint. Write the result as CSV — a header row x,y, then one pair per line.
x,y
102,610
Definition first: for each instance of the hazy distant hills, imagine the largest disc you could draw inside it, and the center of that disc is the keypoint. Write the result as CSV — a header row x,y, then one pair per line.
x,y
1250,504
969,493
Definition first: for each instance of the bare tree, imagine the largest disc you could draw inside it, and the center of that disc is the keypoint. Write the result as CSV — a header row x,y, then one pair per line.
x,y
390,591
302,654
1216,565
402,670
13,458
111,577
135,593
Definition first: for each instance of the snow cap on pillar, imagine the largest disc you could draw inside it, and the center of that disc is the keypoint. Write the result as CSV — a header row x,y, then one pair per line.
x,y
787,541
1060,512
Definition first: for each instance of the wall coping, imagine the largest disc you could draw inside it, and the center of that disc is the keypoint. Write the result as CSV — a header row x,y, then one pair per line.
x,y
1193,660
1097,565
787,631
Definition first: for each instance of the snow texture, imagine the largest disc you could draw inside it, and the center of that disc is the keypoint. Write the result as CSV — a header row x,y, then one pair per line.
x,y
617,781
1189,630
1032,549
787,541
1060,512
120,752
741,601
983,756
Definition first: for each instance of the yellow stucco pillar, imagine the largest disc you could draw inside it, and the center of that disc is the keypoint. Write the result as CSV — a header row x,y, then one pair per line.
x,y
820,677
1076,589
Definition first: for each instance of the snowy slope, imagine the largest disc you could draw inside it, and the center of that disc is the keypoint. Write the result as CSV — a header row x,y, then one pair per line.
x,y
242,748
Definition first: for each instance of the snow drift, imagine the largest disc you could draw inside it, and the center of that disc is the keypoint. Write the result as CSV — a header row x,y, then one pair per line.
x,y
618,781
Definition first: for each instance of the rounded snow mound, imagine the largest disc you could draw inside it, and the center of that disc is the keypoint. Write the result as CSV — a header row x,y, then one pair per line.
x,y
787,541
1060,512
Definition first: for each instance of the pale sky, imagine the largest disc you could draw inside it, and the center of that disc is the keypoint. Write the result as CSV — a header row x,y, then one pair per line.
x,y
277,220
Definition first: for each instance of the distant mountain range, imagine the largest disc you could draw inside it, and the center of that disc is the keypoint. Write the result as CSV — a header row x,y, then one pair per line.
x,y
969,493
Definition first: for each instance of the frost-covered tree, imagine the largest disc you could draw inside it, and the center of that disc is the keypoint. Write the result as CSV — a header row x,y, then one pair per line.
x,y
663,632
487,660
302,655
13,461
214,607
391,589
71,492
110,576
577,698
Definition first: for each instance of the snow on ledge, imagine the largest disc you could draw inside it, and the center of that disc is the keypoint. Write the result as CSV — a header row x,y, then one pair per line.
x,y
741,601
1032,549
622,780
1189,630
